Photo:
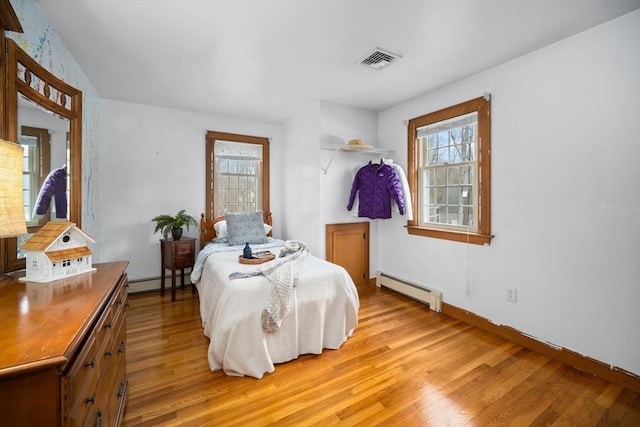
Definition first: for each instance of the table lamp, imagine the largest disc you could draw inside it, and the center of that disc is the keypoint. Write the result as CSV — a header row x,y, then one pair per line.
x,y
12,221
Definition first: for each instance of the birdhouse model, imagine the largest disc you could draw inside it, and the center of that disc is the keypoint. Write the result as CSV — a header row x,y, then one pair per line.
x,y
58,250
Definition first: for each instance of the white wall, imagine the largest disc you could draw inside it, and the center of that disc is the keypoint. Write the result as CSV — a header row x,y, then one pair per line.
x,y
300,181
566,211
42,43
339,124
152,162
314,199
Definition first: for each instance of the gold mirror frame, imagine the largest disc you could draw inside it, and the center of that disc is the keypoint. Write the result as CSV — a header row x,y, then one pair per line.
x,y
27,77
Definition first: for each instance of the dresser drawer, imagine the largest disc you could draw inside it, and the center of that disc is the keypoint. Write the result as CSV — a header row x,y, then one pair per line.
x,y
183,248
85,373
183,261
91,387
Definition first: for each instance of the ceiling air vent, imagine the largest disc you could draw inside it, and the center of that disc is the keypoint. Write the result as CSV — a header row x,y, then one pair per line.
x,y
379,59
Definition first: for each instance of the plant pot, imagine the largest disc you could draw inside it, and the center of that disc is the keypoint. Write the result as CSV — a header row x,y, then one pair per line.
x,y
176,233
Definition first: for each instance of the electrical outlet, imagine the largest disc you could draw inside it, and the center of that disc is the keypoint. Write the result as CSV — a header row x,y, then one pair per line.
x,y
512,294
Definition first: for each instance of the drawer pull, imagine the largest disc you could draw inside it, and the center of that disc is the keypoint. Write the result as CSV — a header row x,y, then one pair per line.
x,y
121,347
90,364
121,390
91,399
97,421
107,326
107,354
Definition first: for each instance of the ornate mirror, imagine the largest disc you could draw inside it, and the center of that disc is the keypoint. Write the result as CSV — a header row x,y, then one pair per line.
x,y
44,115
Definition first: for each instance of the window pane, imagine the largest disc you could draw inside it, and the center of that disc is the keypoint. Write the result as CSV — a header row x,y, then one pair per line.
x,y
432,141
467,195
440,195
455,153
454,177
466,176
452,215
467,216
441,176
443,155
453,195
432,157
223,166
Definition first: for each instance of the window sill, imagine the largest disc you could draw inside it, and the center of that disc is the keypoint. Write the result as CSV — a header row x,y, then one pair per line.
x,y
456,236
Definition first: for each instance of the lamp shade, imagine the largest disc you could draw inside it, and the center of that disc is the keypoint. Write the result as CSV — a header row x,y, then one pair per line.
x,y
12,222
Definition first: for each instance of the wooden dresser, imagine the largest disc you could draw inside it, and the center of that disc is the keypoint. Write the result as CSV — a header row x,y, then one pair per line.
x,y
62,349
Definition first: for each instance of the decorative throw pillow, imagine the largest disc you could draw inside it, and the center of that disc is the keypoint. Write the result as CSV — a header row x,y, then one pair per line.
x,y
221,229
245,228
222,233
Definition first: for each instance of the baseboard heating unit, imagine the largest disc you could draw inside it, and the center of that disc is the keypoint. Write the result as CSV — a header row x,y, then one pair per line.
x,y
431,297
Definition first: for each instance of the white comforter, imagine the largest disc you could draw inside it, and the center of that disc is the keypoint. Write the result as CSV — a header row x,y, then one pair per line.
x,y
324,312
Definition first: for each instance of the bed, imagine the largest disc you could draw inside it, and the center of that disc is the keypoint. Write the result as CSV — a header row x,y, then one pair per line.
x,y
323,305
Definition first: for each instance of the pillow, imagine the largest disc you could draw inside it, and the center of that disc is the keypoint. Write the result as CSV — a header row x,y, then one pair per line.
x,y
245,228
221,229
222,233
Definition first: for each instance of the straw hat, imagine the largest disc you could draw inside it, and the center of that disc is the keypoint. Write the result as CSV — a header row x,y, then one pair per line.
x,y
358,143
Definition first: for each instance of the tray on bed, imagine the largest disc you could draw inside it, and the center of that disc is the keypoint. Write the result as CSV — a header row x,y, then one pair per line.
x,y
260,260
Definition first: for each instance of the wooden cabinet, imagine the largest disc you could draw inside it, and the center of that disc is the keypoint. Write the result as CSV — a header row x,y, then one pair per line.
x,y
176,254
348,245
63,349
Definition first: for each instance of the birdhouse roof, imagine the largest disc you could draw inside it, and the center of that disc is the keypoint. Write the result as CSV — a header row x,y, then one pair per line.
x,y
68,254
47,235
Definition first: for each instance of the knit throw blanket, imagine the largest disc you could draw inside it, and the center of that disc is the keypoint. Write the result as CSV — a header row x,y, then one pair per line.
x,y
283,273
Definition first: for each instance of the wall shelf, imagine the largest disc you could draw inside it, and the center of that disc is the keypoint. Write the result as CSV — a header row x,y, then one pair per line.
x,y
368,151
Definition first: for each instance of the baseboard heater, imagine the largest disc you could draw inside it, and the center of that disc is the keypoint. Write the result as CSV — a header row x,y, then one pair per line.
x,y
431,297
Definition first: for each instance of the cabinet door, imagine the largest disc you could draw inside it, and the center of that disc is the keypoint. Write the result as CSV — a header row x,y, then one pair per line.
x,y
348,246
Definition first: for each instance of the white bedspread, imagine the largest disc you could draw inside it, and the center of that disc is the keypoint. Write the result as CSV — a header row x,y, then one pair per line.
x,y
324,312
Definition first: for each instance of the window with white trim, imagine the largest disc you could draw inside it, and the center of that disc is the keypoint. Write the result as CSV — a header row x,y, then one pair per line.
x,y
450,177
237,173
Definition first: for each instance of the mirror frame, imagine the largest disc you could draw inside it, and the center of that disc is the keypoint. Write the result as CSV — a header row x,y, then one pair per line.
x,y
27,77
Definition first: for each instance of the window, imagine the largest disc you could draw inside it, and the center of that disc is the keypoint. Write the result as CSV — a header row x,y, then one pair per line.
x,y
450,172
36,151
237,174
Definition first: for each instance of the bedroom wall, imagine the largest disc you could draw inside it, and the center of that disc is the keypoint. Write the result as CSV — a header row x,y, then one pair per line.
x,y
312,198
300,180
339,124
152,162
41,42
565,211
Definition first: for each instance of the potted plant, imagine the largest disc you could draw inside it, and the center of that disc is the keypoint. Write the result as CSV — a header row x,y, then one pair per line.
x,y
173,224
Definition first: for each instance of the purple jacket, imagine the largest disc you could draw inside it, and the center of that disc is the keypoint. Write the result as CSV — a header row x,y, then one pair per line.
x,y
377,184
55,185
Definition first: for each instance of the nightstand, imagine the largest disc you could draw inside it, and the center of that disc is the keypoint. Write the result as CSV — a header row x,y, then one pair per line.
x,y
177,254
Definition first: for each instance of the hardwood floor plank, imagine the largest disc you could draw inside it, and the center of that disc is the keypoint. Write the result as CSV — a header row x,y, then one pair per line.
x,y
404,365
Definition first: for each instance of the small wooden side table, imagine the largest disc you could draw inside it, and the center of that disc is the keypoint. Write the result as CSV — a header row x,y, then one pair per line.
x,y
177,254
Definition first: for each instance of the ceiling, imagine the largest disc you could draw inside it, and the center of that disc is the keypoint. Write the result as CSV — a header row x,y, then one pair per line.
x,y
264,60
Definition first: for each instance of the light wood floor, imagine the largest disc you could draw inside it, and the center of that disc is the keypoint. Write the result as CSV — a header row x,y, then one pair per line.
x,y
404,365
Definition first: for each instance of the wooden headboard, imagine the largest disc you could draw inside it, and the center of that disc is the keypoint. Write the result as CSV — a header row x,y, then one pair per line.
x,y
208,233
